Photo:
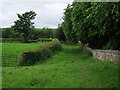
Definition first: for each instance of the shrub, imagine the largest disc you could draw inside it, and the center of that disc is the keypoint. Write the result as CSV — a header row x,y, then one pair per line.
x,y
41,53
42,33
44,39
21,39
11,39
41,40
86,52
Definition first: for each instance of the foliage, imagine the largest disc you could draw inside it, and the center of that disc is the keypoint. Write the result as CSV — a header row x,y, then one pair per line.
x,y
6,32
67,24
45,39
91,26
24,25
11,39
86,52
41,40
35,33
60,34
41,53
42,33
10,33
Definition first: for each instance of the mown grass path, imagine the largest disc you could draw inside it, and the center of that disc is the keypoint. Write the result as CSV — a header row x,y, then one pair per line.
x,y
66,69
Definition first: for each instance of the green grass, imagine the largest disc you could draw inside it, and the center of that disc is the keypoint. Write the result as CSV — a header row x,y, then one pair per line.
x,y
12,52
67,69
18,48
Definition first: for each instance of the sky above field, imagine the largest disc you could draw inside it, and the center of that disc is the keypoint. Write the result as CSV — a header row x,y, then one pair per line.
x,y
49,13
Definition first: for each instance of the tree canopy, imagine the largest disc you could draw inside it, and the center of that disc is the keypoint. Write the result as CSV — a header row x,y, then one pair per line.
x,y
93,23
24,24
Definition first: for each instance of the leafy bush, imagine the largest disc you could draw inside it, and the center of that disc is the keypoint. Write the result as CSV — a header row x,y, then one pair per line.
x,y
10,33
45,39
21,39
41,53
42,33
60,34
35,33
41,40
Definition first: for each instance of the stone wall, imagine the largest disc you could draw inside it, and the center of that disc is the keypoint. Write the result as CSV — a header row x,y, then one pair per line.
x,y
113,55
104,55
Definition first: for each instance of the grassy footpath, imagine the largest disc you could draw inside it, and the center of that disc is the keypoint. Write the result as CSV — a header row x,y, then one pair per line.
x,y
67,69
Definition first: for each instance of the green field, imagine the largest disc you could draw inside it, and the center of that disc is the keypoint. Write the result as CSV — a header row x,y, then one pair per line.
x,y
69,68
12,52
18,48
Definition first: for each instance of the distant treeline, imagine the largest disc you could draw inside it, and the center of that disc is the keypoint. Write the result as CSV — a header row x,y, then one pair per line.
x,y
35,33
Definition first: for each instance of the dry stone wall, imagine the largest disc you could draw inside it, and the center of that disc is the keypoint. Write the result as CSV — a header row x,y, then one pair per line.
x,y
104,55
113,55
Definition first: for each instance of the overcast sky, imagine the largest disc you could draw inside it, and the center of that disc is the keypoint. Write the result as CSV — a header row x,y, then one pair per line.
x,y
48,13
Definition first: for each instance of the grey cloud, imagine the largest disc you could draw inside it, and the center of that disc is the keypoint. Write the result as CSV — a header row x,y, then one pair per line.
x,y
48,14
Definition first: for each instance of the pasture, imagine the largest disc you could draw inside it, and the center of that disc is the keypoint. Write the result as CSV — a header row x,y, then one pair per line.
x,y
18,48
70,68
12,52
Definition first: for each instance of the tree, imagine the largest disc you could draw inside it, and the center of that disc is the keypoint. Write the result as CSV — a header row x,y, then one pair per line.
x,y
42,33
93,23
60,34
67,24
80,27
104,25
7,33
24,25
10,33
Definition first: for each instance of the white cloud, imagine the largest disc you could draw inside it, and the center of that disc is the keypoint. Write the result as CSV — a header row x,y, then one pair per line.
x,y
48,13
53,1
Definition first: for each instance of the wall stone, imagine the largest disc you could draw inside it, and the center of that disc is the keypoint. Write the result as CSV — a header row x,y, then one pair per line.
x,y
113,55
104,55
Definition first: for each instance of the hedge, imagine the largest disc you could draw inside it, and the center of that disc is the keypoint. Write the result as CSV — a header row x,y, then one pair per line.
x,y
20,39
11,39
42,40
41,53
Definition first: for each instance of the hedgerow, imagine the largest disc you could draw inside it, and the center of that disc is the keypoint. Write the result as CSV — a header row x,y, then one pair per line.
x,y
42,40
41,53
10,39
